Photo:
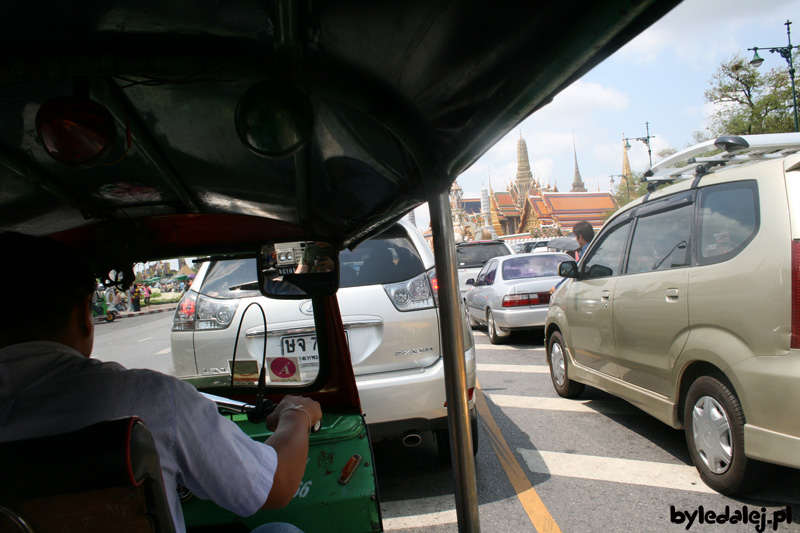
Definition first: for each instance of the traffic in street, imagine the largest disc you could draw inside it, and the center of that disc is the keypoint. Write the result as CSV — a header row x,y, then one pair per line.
x,y
545,463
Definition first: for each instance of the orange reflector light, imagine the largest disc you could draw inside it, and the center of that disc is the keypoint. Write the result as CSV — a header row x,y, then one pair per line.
x,y
349,469
470,394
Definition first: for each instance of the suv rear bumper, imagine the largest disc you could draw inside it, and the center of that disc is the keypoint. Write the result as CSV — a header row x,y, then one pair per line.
x,y
396,428
409,395
767,388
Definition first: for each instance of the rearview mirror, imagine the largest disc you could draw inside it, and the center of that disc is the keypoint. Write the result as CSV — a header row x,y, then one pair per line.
x,y
297,270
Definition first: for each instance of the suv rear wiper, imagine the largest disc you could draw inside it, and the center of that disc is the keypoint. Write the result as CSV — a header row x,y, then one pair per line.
x,y
250,285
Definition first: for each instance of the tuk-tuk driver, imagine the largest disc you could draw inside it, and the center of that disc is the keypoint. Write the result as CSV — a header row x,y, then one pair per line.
x,y
49,385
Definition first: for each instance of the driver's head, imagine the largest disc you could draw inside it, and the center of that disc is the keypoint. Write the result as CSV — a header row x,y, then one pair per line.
x,y
45,283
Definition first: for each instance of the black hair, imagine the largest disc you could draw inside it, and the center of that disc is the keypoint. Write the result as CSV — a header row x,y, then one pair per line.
x,y
44,279
584,229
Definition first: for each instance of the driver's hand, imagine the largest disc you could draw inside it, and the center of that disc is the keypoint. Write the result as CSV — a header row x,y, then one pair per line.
x,y
295,403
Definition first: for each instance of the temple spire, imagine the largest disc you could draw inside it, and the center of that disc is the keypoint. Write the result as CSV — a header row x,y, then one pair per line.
x,y
577,182
626,165
524,175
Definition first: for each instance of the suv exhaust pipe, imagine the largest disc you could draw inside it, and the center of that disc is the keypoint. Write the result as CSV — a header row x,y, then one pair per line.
x,y
411,439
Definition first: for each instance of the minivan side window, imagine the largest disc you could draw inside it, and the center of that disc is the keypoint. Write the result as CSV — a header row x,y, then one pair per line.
x,y
661,240
605,258
728,220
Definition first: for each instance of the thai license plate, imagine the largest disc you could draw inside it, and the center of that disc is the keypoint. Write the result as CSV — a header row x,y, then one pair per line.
x,y
304,347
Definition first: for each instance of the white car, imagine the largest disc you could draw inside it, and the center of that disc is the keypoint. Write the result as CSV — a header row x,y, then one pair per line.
x,y
389,308
512,292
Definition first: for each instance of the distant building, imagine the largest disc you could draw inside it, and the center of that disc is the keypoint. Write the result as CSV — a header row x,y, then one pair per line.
x,y
527,209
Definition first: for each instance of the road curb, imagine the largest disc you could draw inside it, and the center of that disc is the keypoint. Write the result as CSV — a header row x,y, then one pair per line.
x,y
128,314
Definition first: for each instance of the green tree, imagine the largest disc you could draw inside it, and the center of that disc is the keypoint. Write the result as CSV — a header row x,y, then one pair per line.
x,y
748,101
626,191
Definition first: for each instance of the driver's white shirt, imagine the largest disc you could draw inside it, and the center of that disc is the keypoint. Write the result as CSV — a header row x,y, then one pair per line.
x,y
47,388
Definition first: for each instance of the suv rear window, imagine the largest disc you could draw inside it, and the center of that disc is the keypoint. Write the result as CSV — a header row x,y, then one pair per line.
x,y
476,255
235,278
389,258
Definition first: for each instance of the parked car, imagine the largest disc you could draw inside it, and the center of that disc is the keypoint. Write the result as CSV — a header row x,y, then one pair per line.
x,y
538,245
513,293
687,304
388,304
471,256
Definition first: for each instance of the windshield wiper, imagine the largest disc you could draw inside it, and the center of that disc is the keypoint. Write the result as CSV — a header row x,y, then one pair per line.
x,y
676,247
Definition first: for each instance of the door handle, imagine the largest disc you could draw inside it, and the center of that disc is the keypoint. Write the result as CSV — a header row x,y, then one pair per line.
x,y
672,295
604,295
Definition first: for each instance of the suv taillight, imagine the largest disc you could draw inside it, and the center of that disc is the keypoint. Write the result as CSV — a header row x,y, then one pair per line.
x,y
522,300
434,285
795,295
412,294
198,312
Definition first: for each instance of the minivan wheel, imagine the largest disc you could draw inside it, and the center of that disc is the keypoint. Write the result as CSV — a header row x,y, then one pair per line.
x,y
557,360
496,335
714,425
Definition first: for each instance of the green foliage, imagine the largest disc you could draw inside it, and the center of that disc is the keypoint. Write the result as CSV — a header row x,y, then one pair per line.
x,y
625,191
166,298
748,101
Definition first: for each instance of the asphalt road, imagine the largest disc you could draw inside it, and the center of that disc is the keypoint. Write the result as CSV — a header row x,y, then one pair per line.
x,y
586,465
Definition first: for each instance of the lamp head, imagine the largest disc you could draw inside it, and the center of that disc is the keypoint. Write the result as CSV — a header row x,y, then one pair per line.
x,y
757,59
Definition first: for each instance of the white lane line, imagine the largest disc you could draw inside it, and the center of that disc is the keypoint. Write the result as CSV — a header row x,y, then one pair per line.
x,y
162,352
507,348
145,339
529,369
645,473
422,512
563,404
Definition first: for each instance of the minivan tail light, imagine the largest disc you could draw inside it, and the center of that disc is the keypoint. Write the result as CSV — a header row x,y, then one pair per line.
x,y
795,343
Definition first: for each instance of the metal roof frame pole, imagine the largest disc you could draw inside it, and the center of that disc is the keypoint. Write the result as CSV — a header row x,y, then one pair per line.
x,y
451,324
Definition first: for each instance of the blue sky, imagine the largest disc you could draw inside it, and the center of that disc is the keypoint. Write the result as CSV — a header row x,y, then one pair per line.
x,y
660,77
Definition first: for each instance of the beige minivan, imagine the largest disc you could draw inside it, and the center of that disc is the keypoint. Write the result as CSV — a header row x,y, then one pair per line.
x,y
687,305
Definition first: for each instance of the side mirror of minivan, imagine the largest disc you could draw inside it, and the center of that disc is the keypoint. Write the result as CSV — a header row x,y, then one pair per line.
x,y
470,281
298,270
568,269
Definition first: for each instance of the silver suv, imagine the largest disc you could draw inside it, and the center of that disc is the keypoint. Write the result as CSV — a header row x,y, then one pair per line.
x,y
471,256
687,304
388,303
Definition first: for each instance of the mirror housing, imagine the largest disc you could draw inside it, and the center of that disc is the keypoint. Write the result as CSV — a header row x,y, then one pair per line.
x,y
470,281
568,269
298,270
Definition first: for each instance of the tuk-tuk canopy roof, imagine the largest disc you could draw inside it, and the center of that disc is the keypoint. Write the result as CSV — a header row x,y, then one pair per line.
x,y
388,103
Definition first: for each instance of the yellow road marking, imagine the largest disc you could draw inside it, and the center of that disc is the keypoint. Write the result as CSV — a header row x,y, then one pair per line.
x,y
533,505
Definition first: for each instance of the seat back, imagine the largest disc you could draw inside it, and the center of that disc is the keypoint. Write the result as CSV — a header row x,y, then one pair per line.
x,y
104,477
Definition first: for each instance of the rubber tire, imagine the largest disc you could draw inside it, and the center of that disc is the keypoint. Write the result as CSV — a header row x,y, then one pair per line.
x,y
568,388
443,441
743,474
495,334
110,317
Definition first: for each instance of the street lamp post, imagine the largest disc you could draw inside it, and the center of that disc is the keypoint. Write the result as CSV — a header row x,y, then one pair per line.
x,y
627,183
645,140
786,53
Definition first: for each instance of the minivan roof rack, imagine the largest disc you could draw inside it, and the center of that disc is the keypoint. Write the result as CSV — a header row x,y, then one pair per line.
x,y
736,150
